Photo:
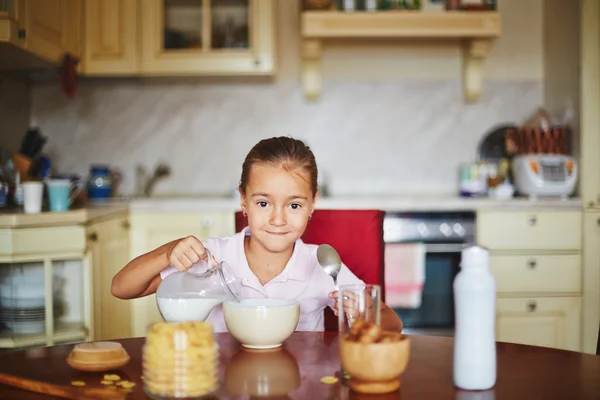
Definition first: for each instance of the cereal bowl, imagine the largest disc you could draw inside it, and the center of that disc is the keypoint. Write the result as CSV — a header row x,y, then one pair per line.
x,y
261,323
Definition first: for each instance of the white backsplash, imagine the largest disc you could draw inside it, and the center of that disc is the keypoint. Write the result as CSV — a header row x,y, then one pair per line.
x,y
369,138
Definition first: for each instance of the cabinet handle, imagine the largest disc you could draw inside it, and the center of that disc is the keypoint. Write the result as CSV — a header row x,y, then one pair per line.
x,y
125,225
257,61
93,237
532,220
531,306
598,221
22,33
532,263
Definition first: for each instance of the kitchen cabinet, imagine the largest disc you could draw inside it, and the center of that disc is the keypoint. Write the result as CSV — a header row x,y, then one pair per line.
x,y
45,288
536,259
153,229
539,321
53,28
110,37
45,28
108,249
591,281
207,37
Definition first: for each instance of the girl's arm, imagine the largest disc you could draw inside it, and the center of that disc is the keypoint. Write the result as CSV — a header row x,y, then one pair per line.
x,y
141,276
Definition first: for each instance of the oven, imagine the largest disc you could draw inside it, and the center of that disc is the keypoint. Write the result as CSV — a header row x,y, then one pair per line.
x,y
442,236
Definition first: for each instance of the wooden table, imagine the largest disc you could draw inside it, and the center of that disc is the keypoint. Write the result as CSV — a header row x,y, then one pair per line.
x,y
294,372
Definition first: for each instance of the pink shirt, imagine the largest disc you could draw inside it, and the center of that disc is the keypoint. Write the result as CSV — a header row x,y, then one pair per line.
x,y
302,280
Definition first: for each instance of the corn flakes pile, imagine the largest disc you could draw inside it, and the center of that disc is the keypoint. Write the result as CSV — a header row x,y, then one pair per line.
x,y
368,332
180,360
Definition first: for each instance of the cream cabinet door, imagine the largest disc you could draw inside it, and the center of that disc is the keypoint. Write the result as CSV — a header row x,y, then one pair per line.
x,y
591,281
152,230
108,244
530,230
204,37
110,37
547,322
53,27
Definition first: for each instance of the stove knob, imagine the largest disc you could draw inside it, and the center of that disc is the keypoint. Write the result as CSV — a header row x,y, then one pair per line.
x,y
459,229
445,229
422,229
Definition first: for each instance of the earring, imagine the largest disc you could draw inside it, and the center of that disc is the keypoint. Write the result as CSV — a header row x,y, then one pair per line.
x,y
244,214
309,217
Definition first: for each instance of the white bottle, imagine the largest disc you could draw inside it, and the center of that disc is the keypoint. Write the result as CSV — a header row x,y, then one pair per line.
x,y
474,305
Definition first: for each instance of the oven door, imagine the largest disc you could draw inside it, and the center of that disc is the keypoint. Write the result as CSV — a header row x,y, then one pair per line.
x,y
435,316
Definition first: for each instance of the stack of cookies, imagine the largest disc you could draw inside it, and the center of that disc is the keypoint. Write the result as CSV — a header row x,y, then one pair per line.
x,y
180,360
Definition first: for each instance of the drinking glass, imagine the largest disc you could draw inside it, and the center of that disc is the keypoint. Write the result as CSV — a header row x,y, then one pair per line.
x,y
359,301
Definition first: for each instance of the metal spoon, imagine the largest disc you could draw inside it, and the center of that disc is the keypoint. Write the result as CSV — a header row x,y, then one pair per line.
x,y
330,261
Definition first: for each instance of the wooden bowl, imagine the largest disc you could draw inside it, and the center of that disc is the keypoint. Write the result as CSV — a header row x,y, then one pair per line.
x,y
375,367
97,356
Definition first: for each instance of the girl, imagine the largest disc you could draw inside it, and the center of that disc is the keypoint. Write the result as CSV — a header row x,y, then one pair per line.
x,y
278,190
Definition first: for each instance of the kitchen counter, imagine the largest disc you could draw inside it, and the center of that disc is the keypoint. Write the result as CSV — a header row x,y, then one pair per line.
x,y
13,217
413,203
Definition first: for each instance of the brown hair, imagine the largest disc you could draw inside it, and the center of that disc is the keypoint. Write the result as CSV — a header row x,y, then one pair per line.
x,y
285,151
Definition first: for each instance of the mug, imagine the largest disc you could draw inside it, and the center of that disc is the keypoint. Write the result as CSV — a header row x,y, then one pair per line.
x,y
33,192
61,193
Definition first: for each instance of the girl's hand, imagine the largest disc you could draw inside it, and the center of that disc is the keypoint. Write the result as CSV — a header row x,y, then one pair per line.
x,y
352,306
184,253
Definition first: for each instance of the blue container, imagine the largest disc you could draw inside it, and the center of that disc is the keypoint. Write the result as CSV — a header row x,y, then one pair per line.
x,y
100,183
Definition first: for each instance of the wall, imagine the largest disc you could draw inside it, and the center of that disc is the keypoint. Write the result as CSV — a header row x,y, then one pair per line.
x,y
391,119
14,110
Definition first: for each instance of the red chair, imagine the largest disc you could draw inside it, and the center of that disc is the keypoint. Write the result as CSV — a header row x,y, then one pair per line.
x,y
357,235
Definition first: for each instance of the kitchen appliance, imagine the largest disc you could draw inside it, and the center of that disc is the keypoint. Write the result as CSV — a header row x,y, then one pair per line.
x,y
545,174
444,235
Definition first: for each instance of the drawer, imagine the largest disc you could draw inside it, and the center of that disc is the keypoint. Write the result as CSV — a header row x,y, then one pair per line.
x,y
524,230
537,273
51,240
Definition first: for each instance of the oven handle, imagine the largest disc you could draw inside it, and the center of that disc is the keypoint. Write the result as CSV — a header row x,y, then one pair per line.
x,y
444,247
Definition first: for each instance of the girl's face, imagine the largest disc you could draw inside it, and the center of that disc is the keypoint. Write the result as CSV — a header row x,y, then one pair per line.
x,y
278,203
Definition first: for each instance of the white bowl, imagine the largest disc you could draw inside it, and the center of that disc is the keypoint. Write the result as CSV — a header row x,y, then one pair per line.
x,y
261,323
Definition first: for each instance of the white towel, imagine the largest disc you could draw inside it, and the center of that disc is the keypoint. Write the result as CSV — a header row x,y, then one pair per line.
x,y
404,274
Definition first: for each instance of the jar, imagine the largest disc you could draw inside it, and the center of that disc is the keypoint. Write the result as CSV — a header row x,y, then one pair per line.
x,y
100,183
180,361
191,296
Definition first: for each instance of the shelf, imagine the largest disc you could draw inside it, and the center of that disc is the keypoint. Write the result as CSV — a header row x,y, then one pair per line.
x,y
65,332
476,29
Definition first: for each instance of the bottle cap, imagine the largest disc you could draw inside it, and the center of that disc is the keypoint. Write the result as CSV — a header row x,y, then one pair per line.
x,y
475,256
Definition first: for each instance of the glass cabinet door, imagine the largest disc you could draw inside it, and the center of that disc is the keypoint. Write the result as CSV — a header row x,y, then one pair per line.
x,y
183,24
230,24
42,303
208,37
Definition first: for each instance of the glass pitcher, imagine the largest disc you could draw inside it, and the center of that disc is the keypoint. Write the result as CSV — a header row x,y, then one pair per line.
x,y
191,296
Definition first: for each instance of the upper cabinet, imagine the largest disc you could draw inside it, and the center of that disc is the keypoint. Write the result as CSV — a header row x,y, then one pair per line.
x,y
179,37
46,29
110,32
53,28
208,37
